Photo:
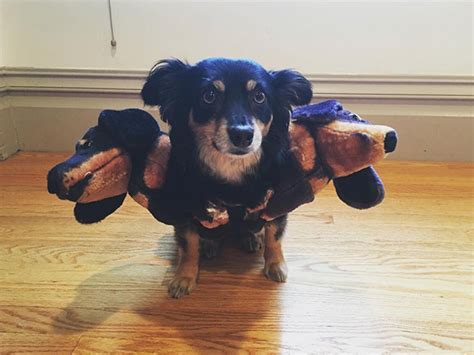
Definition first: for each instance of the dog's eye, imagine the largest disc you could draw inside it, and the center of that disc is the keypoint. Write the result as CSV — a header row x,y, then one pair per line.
x,y
209,96
259,97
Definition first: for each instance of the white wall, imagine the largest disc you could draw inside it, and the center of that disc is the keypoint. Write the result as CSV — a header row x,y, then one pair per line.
x,y
358,37
2,34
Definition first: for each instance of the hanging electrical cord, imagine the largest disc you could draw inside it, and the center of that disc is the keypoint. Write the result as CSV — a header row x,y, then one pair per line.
x,y
113,42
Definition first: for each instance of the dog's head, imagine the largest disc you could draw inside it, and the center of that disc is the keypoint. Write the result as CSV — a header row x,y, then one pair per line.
x,y
97,175
232,108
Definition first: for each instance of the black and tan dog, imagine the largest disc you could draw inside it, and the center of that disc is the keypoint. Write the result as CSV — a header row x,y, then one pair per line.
x,y
229,132
127,152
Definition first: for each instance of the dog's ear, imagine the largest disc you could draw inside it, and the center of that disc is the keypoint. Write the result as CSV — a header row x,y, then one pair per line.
x,y
292,88
133,129
93,212
164,85
361,190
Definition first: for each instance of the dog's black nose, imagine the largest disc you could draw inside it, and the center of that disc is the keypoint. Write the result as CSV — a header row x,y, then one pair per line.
x,y
390,142
241,136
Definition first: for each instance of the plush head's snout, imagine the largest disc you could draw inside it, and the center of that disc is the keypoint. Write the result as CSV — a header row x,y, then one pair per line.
x,y
87,178
63,185
55,176
97,170
350,146
390,142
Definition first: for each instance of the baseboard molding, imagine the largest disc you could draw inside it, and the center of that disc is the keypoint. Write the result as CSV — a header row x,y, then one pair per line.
x,y
50,108
129,82
8,134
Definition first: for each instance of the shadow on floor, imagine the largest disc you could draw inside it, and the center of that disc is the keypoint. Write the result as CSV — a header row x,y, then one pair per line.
x,y
231,298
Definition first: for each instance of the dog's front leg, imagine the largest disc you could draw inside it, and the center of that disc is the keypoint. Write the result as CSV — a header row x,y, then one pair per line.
x,y
275,265
188,265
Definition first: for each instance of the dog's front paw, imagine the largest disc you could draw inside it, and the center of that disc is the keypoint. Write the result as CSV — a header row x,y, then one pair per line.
x,y
277,271
215,216
180,286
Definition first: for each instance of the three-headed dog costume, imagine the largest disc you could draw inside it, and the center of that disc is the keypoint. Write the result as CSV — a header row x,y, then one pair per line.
x,y
128,153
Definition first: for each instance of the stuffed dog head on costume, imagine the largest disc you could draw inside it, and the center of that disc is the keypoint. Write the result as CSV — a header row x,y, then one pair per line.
x,y
127,152
97,176
330,143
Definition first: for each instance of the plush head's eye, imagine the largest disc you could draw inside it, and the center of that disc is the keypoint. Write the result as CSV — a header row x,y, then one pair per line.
x,y
259,97
83,144
209,96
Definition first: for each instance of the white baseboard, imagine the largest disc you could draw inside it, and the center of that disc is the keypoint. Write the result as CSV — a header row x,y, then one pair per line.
x,y
51,108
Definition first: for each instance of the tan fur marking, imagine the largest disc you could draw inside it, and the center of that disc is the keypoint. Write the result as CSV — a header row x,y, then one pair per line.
x,y
219,85
156,163
189,259
264,128
302,146
275,265
251,85
273,251
186,274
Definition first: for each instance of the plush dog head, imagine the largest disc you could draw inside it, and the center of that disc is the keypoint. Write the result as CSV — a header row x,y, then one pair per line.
x,y
97,176
346,147
331,143
232,109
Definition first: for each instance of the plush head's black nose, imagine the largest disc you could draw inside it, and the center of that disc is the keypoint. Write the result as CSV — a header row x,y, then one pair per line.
x,y
390,142
240,136
55,180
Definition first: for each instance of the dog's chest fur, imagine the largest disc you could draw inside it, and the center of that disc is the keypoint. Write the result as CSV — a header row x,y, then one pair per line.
x,y
233,182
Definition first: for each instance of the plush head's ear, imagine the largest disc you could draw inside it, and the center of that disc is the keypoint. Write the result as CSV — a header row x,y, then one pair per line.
x,y
94,212
163,87
292,88
360,190
133,129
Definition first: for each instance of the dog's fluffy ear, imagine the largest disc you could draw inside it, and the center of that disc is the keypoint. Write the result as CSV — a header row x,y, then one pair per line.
x,y
163,87
361,190
93,212
133,129
291,87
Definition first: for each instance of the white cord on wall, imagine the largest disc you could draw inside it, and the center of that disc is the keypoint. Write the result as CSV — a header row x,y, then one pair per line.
x,y
113,42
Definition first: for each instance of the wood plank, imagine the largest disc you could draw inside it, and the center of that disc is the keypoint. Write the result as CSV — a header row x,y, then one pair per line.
x,y
398,277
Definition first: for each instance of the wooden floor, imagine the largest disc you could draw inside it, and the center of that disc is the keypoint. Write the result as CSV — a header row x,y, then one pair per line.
x,y
398,277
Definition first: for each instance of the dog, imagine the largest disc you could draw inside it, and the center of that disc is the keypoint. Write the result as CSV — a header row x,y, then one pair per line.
x,y
229,124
